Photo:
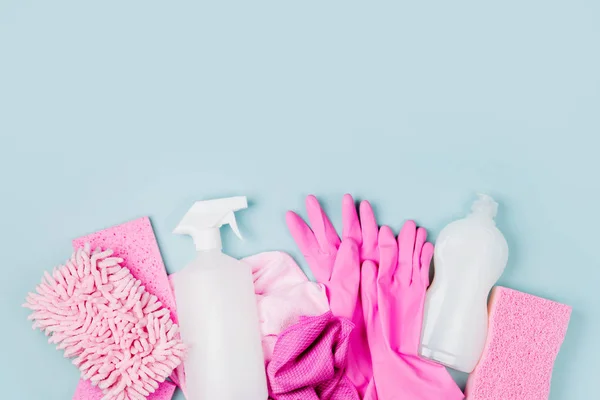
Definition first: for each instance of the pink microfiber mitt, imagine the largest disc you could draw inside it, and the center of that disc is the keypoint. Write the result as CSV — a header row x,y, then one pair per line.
x,y
309,360
135,243
123,339
525,334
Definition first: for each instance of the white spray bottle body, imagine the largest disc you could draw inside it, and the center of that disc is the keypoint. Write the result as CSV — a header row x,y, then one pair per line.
x,y
470,256
218,319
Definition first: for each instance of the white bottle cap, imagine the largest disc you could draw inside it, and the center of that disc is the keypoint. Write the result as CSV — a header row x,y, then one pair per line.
x,y
484,206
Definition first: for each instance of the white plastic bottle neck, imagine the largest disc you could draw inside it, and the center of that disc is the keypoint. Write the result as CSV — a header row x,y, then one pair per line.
x,y
482,218
208,239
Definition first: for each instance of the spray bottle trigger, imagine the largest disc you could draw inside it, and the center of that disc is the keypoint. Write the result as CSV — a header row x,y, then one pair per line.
x,y
230,219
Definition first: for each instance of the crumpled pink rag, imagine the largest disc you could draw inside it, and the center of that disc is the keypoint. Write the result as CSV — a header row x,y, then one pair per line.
x,y
283,295
309,359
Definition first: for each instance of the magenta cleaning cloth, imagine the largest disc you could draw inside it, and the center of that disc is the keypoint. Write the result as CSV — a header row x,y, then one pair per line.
x,y
136,244
120,336
309,359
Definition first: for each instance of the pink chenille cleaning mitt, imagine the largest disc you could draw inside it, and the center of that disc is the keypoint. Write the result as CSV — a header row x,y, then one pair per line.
x,y
121,336
135,243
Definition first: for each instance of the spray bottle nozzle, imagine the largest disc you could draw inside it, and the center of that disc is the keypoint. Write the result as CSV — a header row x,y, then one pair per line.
x,y
204,219
230,219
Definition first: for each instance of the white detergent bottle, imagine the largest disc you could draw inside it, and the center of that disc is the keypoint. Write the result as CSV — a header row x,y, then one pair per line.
x,y
216,307
470,255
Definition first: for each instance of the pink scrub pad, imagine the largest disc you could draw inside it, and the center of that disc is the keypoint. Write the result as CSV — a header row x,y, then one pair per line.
x,y
122,339
525,335
134,241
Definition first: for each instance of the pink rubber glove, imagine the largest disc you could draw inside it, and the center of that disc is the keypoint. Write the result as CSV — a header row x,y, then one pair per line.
x,y
393,296
336,265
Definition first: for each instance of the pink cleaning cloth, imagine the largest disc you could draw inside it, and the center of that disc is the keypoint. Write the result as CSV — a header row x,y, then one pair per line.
x,y
122,339
283,295
135,242
309,359
524,337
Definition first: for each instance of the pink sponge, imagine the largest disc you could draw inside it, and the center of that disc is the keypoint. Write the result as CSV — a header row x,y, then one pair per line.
x,y
136,244
525,335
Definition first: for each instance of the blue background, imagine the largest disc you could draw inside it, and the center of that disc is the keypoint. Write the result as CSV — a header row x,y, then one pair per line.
x,y
114,110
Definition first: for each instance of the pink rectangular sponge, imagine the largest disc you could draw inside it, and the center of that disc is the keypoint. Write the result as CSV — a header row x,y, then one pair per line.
x,y
135,242
524,337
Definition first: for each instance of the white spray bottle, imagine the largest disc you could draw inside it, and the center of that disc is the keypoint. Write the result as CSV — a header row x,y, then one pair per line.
x,y
217,312
470,255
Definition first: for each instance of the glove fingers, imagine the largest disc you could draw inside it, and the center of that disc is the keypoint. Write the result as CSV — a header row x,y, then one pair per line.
x,y
370,232
388,256
307,243
406,246
426,256
345,280
350,221
388,264
373,319
420,239
368,292
322,227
